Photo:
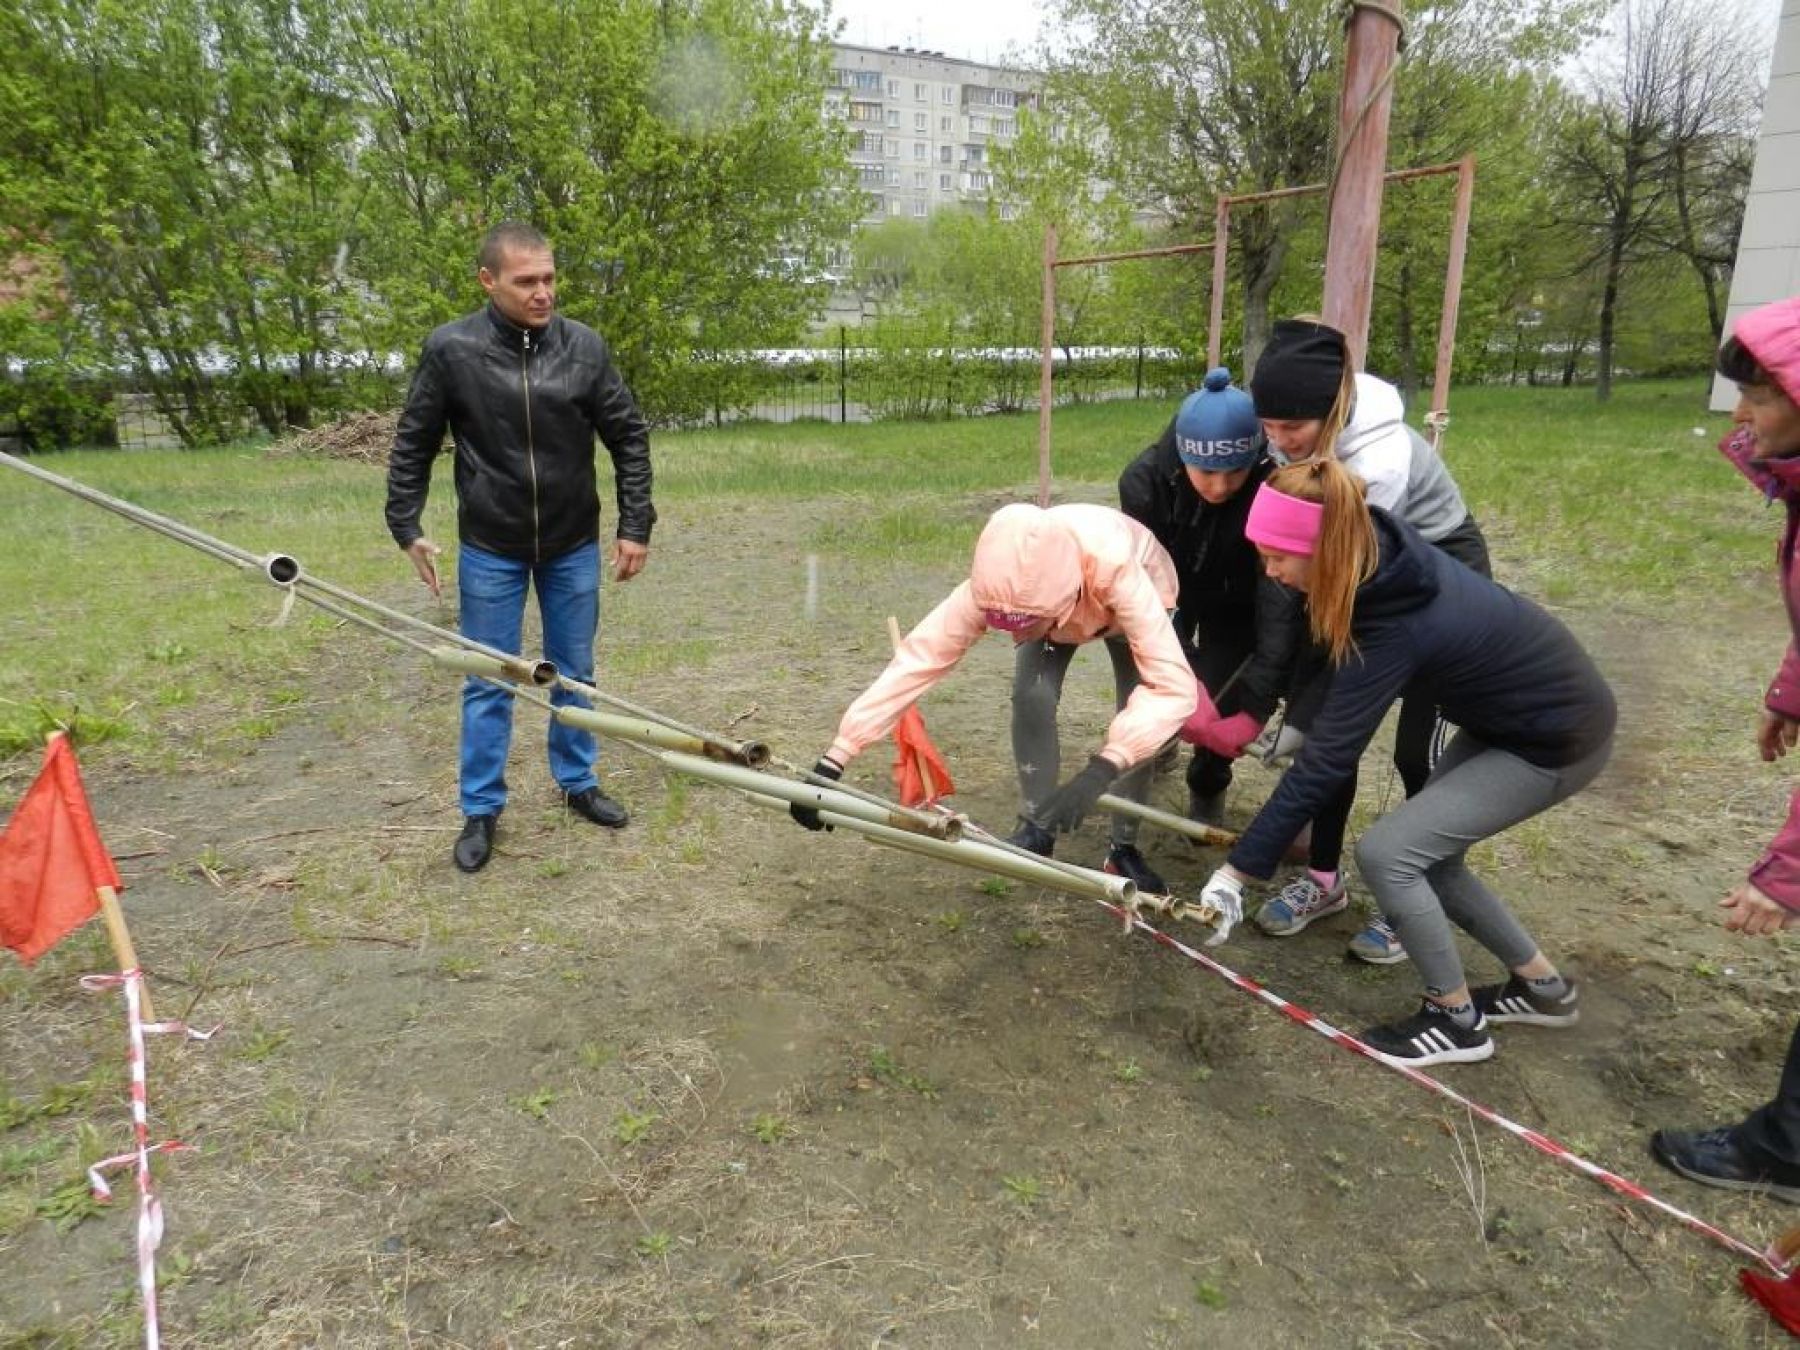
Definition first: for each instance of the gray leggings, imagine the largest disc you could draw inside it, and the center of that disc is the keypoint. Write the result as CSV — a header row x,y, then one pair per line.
x,y
1038,670
1413,857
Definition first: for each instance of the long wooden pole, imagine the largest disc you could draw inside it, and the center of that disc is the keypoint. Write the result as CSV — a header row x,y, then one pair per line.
x,y
123,950
1047,338
1453,272
1371,50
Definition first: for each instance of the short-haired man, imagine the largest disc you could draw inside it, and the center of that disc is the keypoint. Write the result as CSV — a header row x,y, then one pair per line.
x,y
523,392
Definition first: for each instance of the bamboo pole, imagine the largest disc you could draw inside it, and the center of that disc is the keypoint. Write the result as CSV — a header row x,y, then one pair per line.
x,y
912,823
123,950
646,732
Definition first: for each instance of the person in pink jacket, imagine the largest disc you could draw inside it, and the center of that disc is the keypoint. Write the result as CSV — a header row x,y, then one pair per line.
x,y
1762,1152
1052,579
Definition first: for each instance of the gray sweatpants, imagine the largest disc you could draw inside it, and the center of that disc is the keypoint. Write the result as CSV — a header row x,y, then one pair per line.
x,y
1413,858
1038,670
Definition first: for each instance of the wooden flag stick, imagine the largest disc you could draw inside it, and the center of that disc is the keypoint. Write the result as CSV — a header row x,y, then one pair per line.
x,y
125,953
931,792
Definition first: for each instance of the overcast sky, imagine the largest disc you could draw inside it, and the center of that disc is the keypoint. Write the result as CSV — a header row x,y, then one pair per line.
x,y
977,30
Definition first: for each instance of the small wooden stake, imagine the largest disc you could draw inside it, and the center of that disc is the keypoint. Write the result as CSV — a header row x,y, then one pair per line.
x,y
123,951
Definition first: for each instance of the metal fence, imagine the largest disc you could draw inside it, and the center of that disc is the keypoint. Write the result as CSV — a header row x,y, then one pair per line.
x,y
883,371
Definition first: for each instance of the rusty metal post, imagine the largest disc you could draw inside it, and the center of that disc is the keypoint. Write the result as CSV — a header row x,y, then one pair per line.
x,y
1453,273
1371,50
1046,339
1215,328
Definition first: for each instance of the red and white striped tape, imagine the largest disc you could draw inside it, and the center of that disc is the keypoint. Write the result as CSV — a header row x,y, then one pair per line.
x,y
150,1221
1769,1259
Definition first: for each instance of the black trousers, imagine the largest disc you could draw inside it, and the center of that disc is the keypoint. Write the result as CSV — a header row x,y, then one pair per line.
x,y
1221,652
1774,1129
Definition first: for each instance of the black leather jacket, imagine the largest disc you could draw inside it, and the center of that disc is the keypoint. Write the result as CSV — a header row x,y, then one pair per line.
x,y
523,406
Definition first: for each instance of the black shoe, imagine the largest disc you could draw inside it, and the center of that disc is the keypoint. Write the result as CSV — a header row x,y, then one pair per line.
x,y
1033,838
594,805
1124,860
1716,1158
1517,1001
1429,1036
475,844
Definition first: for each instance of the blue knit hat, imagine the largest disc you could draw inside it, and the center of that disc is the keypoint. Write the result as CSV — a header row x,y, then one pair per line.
x,y
1216,428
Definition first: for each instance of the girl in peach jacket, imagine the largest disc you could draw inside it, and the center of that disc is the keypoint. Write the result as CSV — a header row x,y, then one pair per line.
x,y
1053,579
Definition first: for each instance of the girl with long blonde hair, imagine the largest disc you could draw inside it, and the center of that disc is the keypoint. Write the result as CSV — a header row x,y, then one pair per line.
x,y
1535,723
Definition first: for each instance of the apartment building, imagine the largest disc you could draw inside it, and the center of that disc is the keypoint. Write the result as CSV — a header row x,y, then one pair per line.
x,y
924,126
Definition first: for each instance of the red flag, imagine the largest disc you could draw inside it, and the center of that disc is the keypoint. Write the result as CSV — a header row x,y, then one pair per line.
x,y
52,863
920,774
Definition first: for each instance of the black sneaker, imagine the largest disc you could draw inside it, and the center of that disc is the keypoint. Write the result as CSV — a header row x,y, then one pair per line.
x,y
1717,1158
1033,838
1124,860
1517,1001
1429,1036
594,805
475,844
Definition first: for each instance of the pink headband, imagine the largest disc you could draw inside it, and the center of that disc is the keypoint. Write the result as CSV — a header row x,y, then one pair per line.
x,y
1010,620
1282,523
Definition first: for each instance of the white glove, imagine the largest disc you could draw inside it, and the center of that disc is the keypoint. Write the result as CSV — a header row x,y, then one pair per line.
x,y
1225,893
1277,745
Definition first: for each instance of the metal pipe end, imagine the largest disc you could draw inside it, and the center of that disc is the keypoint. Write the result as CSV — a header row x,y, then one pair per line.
x,y
543,673
281,569
540,673
756,754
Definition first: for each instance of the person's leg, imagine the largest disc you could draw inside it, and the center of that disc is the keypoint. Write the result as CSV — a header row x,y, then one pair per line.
x,y
1038,671
1761,1154
1415,734
1134,783
490,609
568,590
1772,1131
1217,660
1413,859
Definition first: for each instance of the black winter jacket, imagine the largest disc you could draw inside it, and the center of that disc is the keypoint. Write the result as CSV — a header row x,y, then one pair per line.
x,y
1499,667
523,407
1223,587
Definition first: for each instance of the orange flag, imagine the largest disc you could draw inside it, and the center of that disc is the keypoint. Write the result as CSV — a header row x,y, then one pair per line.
x,y
920,774
52,863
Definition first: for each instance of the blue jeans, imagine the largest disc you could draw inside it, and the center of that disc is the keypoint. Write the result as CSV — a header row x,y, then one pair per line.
x,y
492,594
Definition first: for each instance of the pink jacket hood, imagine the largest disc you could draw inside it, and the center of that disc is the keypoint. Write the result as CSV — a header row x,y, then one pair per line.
x,y
1772,335
1027,560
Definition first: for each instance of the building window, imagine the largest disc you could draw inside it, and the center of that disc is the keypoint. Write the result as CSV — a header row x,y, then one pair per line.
x,y
944,182
920,93
1003,126
919,207
893,148
1008,211
871,143
866,79
873,175
921,151
978,124
944,154
893,89
945,125
976,181
893,177
920,178
893,117
893,206
1005,98
921,122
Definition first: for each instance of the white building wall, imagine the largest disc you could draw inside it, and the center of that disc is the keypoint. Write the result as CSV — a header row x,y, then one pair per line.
x,y
1768,260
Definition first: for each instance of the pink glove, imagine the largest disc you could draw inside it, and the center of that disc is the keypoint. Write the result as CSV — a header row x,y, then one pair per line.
x,y
1201,720
1229,735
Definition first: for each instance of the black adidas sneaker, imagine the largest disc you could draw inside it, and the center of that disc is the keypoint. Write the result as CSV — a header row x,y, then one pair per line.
x,y
1517,1001
1430,1036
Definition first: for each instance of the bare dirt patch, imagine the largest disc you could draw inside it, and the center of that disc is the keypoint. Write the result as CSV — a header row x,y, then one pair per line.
x,y
714,1081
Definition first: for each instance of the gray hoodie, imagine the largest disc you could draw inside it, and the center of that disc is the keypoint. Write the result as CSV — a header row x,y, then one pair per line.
x,y
1404,475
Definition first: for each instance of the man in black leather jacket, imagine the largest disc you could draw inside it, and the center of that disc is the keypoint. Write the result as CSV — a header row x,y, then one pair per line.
x,y
523,392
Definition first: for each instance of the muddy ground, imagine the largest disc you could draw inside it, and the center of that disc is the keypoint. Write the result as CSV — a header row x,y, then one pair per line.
x,y
716,1082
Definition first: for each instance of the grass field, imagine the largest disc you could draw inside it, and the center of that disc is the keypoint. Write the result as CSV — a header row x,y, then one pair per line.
x,y
712,1082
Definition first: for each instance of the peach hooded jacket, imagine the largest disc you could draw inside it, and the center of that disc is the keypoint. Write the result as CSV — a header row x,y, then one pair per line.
x,y
1095,572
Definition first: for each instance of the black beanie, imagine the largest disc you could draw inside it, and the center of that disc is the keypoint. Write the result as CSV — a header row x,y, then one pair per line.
x,y
1299,372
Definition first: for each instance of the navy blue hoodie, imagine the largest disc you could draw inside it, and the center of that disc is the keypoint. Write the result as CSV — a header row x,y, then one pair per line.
x,y
1498,666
